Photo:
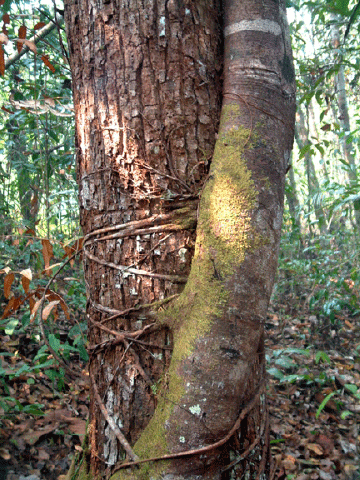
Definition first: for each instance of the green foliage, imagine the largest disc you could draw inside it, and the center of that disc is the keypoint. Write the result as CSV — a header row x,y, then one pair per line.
x,y
310,368
37,133
38,203
65,324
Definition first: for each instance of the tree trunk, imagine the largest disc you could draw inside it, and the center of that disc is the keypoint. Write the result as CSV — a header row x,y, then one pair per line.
x,y
315,134
294,206
344,119
314,190
26,185
176,345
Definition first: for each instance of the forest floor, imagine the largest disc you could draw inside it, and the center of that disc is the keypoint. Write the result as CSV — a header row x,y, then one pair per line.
x,y
314,413
314,373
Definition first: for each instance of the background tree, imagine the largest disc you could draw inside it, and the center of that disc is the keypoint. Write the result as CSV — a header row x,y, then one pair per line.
x,y
327,73
37,154
173,368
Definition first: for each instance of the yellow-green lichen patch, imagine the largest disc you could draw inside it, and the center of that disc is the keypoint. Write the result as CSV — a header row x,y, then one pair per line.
x,y
200,302
229,197
229,214
224,235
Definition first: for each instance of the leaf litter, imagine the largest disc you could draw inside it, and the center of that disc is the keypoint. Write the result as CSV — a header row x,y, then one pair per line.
x,y
313,395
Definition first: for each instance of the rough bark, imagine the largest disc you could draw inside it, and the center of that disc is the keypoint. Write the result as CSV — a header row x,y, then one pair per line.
x,y
183,377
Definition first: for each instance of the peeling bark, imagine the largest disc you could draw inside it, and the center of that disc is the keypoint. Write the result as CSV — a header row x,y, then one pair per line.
x,y
176,325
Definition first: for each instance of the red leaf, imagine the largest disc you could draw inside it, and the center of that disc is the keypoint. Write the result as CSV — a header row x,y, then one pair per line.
x,y
8,308
34,308
2,60
22,32
22,36
39,25
65,309
12,306
26,277
8,280
47,310
6,110
48,253
46,60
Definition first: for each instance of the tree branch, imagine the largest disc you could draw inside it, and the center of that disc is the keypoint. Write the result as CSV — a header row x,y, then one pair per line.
x,y
36,38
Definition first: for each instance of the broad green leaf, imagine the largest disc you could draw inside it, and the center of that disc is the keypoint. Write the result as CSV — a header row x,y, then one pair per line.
x,y
300,351
54,342
23,369
285,362
340,6
11,326
320,148
324,357
275,372
324,402
35,409
304,150
352,388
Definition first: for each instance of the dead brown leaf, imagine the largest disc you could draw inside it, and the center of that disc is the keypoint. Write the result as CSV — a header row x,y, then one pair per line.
x,y
314,447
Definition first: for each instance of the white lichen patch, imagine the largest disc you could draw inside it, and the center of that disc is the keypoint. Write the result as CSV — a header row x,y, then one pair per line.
x,y
85,194
158,356
182,439
195,409
110,400
182,254
139,246
162,27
